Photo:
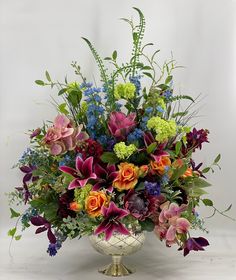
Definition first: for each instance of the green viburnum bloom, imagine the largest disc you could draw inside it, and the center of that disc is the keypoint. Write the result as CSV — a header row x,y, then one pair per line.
x,y
123,151
161,103
163,129
126,91
81,194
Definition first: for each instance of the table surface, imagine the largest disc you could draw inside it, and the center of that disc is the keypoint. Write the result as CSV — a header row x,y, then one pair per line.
x,y
77,260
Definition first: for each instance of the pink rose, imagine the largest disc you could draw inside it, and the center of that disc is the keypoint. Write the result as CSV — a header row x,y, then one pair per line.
x,y
120,125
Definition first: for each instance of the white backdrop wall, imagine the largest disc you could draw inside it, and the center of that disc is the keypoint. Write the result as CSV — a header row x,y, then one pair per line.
x,y
46,34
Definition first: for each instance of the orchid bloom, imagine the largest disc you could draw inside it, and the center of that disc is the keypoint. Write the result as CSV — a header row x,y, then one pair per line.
x,y
171,223
44,226
105,177
112,223
82,173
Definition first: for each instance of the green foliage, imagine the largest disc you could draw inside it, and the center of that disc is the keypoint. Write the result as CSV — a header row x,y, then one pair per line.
x,y
109,157
147,225
14,214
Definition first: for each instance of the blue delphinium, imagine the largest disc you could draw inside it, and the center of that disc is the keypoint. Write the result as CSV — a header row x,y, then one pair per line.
x,y
153,188
136,81
136,135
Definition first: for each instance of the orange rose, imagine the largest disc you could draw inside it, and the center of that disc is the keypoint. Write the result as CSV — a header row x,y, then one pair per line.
x,y
74,206
127,177
94,202
160,165
143,170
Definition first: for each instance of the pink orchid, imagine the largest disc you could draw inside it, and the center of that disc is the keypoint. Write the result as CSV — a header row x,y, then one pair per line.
x,y
82,173
171,222
120,125
112,223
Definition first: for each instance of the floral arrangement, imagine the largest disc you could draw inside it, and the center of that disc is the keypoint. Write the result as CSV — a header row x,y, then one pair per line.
x,y
116,158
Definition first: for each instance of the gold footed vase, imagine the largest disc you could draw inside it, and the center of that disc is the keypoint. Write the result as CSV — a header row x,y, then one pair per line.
x,y
117,246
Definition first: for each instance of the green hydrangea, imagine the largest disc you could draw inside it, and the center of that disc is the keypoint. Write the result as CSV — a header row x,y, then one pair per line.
x,y
123,151
126,91
80,194
163,129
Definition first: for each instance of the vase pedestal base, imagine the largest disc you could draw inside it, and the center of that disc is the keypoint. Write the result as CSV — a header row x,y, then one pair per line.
x,y
116,268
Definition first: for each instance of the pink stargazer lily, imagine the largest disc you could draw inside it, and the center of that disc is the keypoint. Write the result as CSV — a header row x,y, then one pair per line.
x,y
120,125
82,173
105,177
112,223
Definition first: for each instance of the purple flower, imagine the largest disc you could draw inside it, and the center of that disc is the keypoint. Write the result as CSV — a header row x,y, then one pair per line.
x,y
137,204
105,177
35,133
194,244
44,225
25,191
28,170
112,223
53,248
82,173
195,139
153,188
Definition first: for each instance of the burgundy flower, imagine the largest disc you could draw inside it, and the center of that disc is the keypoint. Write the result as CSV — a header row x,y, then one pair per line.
x,y
92,148
120,125
112,223
35,133
195,139
28,170
194,244
25,191
105,177
44,225
64,204
196,168
82,173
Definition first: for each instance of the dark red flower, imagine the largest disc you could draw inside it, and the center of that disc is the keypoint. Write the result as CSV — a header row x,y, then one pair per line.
x,y
44,225
92,148
194,244
64,205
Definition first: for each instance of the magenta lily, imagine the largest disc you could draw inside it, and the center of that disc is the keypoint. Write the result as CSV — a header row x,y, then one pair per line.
x,y
105,177
112,223
82,173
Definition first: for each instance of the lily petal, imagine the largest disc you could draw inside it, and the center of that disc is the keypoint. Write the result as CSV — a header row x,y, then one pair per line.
x,y
69,170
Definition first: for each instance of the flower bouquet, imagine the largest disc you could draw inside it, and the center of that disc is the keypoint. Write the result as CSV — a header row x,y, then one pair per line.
x,y
118,159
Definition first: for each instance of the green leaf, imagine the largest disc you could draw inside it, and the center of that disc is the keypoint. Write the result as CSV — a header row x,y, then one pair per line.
x,y
107,58
217,159
40,82
18,237
62,109
180,114
63,90
140,187
109,157
135,36
14,214
200,183
230,206
205,170
179,172
196,192
146,67
48,76
114,55
168,79
147,225
151,148
207,202
178,146
148,74
12,232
